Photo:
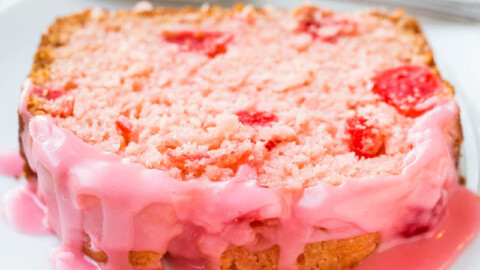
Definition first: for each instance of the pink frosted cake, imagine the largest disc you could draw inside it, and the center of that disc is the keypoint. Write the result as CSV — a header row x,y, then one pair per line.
x,y
238,139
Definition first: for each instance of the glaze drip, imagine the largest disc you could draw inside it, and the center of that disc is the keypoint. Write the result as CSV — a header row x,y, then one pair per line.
x,y
88,191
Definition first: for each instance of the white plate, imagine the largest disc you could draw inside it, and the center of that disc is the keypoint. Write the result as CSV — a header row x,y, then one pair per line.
x,y
457,49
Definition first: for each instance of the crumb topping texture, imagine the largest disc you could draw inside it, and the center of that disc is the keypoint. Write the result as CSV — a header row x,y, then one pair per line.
x,y
288,92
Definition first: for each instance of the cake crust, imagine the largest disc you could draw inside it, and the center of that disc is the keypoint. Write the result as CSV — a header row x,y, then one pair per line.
x,y
325,255
328,255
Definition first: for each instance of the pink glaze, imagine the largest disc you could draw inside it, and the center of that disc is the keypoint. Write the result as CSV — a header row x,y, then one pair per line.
x,y
113,199
11,163
437,251
171,263
23,211
64,259
459,227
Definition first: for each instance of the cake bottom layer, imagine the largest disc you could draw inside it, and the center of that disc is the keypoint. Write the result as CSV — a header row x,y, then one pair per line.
x,y
325,255
435,250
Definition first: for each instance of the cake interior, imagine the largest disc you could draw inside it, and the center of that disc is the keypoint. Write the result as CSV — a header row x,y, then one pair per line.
x,y
289,93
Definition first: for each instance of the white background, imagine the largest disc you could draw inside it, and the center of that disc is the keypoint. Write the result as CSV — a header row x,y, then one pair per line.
x,y
457,53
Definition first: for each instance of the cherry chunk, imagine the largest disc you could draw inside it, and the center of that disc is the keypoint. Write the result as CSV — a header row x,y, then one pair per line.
x,y
256,118
324,25
124,124
406,87
46,93
420,221
365,139
208,43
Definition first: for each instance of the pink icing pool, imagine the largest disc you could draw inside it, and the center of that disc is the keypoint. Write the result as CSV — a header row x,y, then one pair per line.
x,y
11,163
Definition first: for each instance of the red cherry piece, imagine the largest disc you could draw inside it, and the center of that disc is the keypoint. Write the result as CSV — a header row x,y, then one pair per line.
x,y
412,230
421,220
340,27
405,87
365,139
196,156
270,145
124,124
256,223
50,94
309,26
255,118
313,21
209,43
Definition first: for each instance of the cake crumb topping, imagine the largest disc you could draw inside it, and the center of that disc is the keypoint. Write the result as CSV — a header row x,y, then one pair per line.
x,y
199,96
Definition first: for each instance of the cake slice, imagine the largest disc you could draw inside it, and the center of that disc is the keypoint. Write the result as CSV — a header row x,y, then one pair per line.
x,y
243,138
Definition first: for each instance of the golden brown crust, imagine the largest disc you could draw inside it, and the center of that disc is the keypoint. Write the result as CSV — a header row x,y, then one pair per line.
x,y
57,35
408,26
136,258
338,254
145,258
241,258
326,255
334,254
87,249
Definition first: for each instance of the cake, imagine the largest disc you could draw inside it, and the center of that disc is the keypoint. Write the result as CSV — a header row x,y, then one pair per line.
x,y
243,138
